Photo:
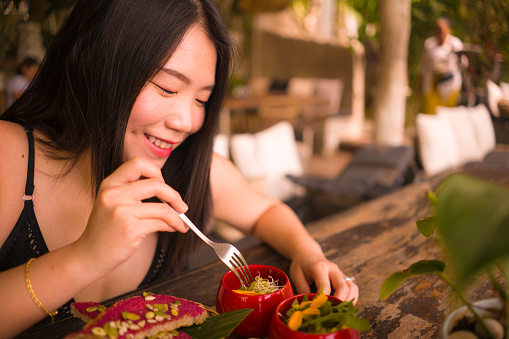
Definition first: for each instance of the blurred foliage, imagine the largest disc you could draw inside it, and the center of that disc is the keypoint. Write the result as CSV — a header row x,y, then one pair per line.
x,y
261,6
480,22
15,12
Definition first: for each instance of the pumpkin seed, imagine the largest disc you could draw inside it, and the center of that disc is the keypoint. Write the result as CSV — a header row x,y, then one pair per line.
x,y
161,307
99,331
130,316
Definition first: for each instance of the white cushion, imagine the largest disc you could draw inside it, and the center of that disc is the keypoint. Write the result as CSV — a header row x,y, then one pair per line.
x,y
221,145
483,128
504,86
271,153
464,133
437,145
494,96
244,155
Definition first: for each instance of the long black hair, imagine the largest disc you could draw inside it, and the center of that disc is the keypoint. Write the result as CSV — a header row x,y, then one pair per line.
x,y
93,71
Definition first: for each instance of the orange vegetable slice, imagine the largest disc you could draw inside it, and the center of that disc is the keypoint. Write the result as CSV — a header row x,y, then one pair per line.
x,y
311,311
247,292
304,304
319,301
295,320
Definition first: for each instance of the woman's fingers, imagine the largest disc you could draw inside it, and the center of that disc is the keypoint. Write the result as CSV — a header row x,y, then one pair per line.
x,y
326,275
162,218
137,180
344,290
133,170
120,221
299,279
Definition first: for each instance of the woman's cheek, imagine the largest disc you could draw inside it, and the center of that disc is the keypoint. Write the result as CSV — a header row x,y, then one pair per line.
x,y
198,120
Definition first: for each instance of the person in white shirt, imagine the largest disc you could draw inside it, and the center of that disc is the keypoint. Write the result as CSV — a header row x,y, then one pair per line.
x,y
441,73
18,83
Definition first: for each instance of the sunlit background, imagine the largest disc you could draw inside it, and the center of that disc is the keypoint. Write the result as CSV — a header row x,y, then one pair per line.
x,y
284,39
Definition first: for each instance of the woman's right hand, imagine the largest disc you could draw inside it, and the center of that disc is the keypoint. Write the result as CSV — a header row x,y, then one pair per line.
x,y
119,221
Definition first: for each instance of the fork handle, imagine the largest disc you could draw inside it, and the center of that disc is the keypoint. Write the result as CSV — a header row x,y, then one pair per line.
x,y
189,223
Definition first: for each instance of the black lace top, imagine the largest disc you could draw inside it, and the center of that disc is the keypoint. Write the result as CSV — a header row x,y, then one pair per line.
x,y
26,241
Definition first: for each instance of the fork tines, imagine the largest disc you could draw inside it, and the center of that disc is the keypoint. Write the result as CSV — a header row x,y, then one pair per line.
x,y
240,264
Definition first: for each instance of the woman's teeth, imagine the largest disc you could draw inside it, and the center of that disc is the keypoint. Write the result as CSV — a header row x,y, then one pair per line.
x,y
159,142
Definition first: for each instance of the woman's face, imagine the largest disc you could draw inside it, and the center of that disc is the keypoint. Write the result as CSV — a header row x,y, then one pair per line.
x,y
172,105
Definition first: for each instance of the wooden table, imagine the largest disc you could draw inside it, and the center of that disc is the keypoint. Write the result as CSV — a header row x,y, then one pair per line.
x,y
369,242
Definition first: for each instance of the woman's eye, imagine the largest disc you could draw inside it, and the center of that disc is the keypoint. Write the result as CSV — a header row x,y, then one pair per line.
x,y
201,102
165,91
168,92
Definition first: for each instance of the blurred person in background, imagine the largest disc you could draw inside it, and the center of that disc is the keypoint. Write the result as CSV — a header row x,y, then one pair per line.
x,y
18,83
440,68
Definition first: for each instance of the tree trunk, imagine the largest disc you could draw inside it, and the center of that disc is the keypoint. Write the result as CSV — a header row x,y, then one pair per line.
x,y
392,85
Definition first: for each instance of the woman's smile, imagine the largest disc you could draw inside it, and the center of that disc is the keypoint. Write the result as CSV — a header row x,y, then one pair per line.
x,y
160,148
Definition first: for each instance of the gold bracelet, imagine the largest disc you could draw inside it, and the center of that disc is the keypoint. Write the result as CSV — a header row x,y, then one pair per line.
x,y
31,291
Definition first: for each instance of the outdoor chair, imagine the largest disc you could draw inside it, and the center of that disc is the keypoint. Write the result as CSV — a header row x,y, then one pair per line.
x,y
372,172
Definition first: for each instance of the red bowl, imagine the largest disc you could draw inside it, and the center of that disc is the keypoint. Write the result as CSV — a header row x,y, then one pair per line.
x,y
278,330
257,322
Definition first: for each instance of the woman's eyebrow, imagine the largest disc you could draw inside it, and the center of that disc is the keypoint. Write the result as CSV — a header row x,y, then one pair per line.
x,y
183,77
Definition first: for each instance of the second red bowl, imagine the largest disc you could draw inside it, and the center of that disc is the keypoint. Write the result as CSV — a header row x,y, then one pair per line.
x,y
278,330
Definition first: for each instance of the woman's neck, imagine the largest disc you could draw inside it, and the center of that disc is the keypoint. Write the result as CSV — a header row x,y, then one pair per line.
x,y
64,166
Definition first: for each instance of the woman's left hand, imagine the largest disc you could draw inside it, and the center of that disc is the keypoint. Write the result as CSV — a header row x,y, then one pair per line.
x,y
306,269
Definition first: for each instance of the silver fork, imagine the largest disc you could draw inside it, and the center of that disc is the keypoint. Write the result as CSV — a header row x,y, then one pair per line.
x,y
228,253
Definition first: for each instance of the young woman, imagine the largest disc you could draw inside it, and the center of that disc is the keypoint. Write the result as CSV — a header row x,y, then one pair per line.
x,y
124,109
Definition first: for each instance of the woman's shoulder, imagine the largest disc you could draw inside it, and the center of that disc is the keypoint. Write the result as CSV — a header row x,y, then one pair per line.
x,y
13,169
12,137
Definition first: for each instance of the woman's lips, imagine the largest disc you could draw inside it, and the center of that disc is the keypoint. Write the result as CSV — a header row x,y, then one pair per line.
x,y
160,147
158,142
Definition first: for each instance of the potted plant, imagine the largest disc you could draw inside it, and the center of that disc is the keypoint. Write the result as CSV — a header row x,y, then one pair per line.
x,y
471,220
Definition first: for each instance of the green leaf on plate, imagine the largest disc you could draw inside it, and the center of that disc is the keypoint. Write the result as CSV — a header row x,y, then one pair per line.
x,y
219,326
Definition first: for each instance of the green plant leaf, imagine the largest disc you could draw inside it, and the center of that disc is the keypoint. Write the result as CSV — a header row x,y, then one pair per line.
x,y
359,324
427,267
394,281
426,226
473,221
219,326
432,197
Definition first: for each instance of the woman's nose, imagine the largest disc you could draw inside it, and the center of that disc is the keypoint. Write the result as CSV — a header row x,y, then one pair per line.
x,y
180,119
